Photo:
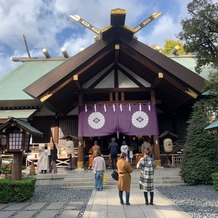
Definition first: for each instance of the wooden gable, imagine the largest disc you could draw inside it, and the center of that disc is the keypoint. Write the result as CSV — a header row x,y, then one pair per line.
x,y
117,52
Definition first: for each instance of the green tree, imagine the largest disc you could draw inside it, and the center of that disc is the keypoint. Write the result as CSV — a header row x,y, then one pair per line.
x,y
201,151
200,32
212,87
171,44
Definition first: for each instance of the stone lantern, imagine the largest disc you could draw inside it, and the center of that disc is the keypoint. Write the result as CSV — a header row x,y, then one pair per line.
x,y
17,133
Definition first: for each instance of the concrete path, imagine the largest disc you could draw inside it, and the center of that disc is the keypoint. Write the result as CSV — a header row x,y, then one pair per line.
x,y
102,204
105,204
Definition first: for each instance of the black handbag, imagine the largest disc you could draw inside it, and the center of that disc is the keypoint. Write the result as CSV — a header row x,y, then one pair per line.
x,y
115,175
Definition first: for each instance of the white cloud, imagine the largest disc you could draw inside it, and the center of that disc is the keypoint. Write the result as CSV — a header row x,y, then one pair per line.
x,y
46,24
164,28
75,44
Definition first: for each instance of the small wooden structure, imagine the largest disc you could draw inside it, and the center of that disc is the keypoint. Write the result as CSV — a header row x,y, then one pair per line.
x,y
17,134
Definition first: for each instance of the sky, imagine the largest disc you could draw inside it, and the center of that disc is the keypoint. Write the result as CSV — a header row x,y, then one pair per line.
x,y
46,24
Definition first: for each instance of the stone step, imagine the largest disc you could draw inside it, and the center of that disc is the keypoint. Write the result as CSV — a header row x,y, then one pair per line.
x,y
81,182
161,177
80,178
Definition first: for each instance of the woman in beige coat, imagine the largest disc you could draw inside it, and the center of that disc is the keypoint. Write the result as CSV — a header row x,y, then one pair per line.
x,y
124,169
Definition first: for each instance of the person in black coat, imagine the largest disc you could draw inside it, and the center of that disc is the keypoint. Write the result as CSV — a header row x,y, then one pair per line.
x,y
53,158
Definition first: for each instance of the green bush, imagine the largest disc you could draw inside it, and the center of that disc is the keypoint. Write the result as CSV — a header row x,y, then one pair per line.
x,y
17,190
215,181
6,168
201,153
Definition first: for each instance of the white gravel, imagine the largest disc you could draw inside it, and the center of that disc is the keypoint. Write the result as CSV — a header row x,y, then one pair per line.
x,y
198,201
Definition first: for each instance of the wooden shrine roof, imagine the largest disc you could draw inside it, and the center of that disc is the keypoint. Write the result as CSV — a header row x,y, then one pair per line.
x,y
76,80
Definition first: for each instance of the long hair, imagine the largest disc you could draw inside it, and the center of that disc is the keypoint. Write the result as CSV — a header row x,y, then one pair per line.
x,y
123,155
147,151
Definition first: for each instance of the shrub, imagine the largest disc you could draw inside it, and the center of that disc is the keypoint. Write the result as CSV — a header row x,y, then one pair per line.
x,y
215,181
6,168
201,153
17,190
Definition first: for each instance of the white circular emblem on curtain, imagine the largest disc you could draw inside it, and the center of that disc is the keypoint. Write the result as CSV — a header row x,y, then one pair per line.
x,y
140,119
96,120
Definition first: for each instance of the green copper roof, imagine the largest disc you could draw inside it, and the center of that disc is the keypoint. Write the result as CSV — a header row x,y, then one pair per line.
x,y
190,63
213,126
21,114
12,84
22,124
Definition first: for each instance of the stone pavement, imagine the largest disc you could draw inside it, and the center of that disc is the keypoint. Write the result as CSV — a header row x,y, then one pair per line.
x,y
106,204
102,204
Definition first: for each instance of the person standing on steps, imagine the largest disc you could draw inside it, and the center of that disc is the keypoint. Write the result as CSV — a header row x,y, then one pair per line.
x,y
93,150
146,144
53,158
124,169
125,148
146,183
99,168
113,148
43,161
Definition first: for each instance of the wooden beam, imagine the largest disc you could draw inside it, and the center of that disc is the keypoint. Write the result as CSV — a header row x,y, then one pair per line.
x,y
76,81
118,17
67,81
108,90
116,96
80,99
75,104
153,97
32,59
157,80
117,53
122,96
116,79
111,96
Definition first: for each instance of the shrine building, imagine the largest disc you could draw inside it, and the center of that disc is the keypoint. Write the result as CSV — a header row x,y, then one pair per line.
x,y
117,87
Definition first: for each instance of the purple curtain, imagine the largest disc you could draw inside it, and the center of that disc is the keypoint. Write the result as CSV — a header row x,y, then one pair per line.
x,y
129,119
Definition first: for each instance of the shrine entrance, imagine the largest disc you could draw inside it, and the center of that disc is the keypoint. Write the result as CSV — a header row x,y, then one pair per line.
x,y
134,143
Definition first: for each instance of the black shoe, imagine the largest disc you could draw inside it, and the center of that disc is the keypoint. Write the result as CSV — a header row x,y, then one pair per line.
x,y
151,203
128,204
146,203
121,202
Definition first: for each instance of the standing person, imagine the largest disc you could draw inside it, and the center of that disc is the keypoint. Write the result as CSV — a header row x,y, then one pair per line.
x,y
146,145
125,148
124,169
94,149
53,158
99,168
146,183
43,161
113,148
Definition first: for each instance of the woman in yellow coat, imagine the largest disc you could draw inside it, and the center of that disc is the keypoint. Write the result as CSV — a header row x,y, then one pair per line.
x,y
124,169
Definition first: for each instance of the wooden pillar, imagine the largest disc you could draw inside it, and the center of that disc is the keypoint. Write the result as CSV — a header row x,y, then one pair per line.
x,y
156,138
80,161
56,130
17,166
